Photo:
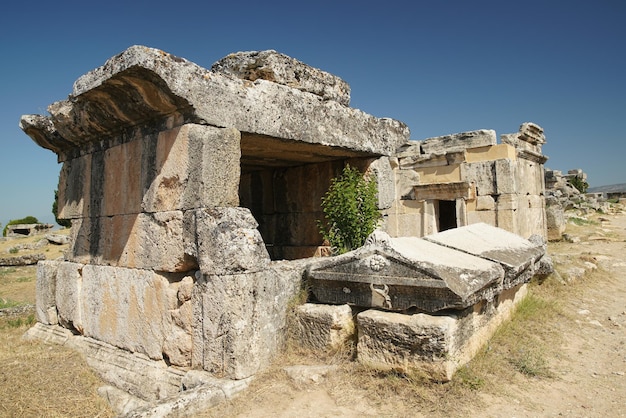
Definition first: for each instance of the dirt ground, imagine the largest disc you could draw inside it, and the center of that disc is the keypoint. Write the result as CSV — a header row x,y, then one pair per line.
x,y
563,354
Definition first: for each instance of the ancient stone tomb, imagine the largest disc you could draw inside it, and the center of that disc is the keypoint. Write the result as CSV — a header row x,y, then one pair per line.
x,y
189,189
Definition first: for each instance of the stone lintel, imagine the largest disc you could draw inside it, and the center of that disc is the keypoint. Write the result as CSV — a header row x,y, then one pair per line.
x,y
445,191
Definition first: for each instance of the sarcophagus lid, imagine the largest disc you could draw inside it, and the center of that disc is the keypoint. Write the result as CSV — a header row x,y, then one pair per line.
x,y
404,273
515,254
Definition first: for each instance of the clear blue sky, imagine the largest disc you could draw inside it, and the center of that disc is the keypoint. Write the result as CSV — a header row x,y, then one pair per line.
x,y
440,67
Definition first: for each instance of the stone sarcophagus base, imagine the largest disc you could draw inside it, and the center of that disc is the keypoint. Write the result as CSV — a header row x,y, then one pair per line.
x,y
422,305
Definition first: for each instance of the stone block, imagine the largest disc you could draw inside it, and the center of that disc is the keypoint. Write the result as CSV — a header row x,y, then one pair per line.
x,y
437,175
385,180
45,292
128,308
555,218
435,345
225,241
481,174
240,319
460,141
505,177
485,216
407,343
68,293
143,83
144,241
279,68
485,203
178,169
515,254
324,327
405,273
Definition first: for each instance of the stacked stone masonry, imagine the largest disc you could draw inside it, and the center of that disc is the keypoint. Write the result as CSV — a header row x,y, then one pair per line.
x,y
190,189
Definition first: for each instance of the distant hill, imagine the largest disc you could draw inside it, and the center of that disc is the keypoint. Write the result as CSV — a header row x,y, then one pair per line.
x,y
615,188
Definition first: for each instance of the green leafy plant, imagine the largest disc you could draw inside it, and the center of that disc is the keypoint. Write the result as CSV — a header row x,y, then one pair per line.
x,y
350,211
26,220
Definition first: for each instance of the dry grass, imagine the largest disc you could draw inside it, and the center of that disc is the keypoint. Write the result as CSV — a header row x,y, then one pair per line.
x,y
39,380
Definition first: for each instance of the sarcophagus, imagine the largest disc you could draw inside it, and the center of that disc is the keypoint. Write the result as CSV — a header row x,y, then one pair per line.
x,y
426,275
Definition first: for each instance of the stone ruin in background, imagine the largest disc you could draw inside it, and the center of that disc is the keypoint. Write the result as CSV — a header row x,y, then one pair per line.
x,y
564,200
194,196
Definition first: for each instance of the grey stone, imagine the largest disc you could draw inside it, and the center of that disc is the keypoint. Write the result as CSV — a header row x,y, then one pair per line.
x,y
305,375
241,319
57,239
515,254
410,272
279,68
324,327
180,89
22,260
45,292
459,142
555,219
225,241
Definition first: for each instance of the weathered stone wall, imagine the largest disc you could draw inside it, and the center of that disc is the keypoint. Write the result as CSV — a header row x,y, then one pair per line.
x,y
166,165
468,178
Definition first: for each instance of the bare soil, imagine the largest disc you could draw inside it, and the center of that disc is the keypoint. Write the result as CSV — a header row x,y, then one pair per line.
x,y
563,354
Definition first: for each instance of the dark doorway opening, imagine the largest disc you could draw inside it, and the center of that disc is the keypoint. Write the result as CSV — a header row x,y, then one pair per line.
x,y
447,215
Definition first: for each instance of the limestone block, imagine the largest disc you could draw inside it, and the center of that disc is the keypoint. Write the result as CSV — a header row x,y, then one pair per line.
x,y
491,153
406,180
485,203
240,319
127,308
324,327
485,216
74,188
226,241
444,174
405,273
68,293
555,218
460,141
505,177
45,292
145,240
385,181
407,343
480,173
515,254
177,169
279,68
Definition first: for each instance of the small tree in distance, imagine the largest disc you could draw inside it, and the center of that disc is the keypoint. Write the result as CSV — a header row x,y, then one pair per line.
x,y
350,210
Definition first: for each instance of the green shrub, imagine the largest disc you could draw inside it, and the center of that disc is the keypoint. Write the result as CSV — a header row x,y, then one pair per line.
x,y
26,220
579,184
350,211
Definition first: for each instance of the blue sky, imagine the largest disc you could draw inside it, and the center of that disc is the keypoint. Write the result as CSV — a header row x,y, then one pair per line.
x,y
440,67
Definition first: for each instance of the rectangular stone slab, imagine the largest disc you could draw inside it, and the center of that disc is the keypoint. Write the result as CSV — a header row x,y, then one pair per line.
x,y
516,254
